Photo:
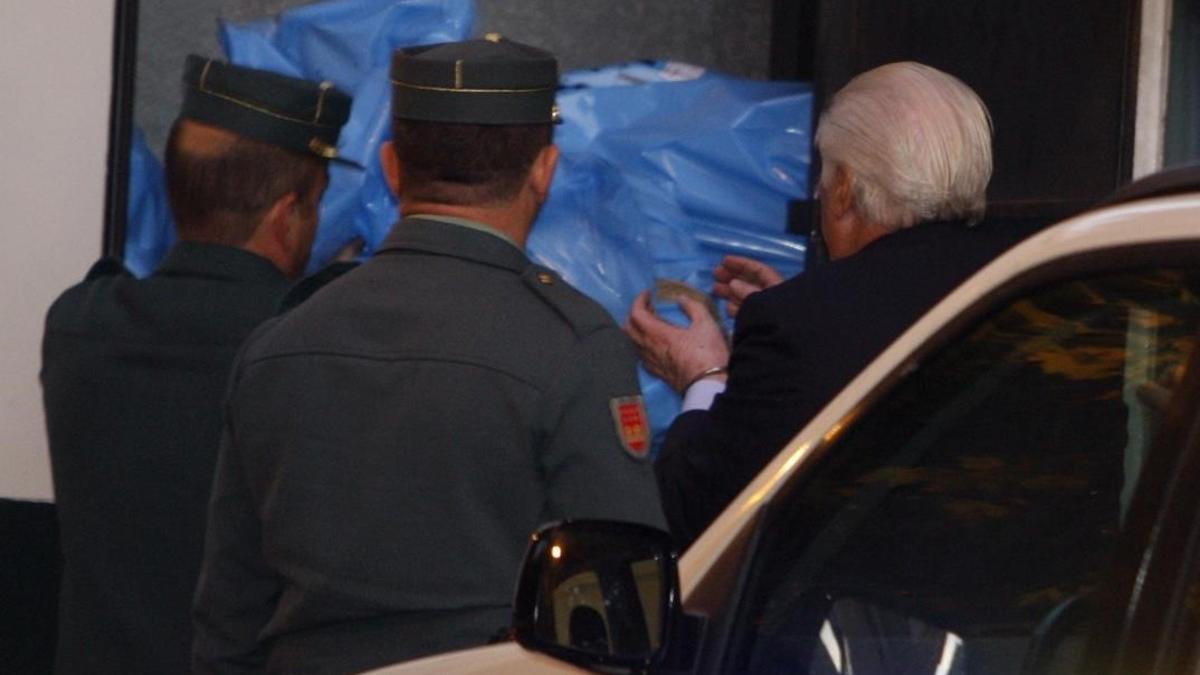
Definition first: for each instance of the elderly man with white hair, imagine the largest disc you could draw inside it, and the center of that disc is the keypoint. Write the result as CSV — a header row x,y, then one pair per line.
x,y
906,152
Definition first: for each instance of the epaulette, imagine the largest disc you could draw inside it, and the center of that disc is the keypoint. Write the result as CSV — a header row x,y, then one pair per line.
x,y
584,315
106,267
306,287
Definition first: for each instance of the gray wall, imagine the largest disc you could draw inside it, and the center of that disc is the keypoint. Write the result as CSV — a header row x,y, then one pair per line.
x,y
729,35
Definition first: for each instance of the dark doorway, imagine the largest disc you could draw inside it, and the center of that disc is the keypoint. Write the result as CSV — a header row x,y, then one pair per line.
x,y
1058,76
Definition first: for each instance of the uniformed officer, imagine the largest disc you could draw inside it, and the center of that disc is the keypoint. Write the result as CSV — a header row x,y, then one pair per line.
x,y
391,443
133,371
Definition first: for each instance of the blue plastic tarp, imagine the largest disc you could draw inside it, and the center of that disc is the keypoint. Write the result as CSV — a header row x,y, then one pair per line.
x,y
151,229
666,168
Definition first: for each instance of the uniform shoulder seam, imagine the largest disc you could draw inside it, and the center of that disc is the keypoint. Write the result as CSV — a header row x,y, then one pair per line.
x,y
582,314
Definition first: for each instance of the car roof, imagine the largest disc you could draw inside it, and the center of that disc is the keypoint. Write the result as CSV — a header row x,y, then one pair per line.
x,y
1178,180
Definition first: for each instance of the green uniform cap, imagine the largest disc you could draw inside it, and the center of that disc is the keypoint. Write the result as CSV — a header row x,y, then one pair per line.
x,y
489,81
287,112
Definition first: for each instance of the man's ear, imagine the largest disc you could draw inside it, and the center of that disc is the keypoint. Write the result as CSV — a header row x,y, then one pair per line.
x,y
839,194
275,229
275,237
393,170
541,174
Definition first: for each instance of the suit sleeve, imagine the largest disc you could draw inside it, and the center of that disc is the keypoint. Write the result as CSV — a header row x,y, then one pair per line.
x,y
237,592
708,457
589,474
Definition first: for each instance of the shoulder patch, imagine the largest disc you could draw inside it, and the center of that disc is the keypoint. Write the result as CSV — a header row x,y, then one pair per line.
x,y
583,314
633,426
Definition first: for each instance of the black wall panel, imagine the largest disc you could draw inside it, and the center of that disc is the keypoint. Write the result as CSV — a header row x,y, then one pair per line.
x,y
30,565
1057,75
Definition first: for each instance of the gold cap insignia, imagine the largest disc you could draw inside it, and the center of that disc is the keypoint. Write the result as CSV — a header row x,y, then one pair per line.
x,y
493,37
322,148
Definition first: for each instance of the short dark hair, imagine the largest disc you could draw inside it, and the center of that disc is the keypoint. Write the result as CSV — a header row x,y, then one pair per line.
x,y
467,164
219,197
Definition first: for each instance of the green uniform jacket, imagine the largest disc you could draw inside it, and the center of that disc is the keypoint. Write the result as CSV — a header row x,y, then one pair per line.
x,y
391,444
133,373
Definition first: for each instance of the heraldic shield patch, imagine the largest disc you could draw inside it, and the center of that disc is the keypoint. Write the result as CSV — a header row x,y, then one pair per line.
x,y
633,426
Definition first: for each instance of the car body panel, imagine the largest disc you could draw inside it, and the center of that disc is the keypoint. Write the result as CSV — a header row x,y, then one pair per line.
x,y
507,657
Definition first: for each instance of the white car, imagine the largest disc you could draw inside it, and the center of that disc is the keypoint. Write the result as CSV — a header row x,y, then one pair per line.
x,y
996,493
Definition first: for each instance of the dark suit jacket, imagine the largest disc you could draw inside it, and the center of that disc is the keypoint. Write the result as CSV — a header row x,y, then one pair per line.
x,y
796,346
133,372
390,445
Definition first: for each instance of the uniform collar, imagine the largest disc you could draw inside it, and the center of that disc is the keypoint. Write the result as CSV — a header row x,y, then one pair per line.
x,y
416,233
216,261
471,225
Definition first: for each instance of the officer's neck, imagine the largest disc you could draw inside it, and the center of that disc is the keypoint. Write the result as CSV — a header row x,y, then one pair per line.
x,y
513,219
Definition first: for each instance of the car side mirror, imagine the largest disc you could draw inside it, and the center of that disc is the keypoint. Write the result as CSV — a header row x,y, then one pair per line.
x,y
598,593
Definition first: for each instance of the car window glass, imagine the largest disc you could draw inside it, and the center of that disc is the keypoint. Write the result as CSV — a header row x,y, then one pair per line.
x,y
984,492
1184,630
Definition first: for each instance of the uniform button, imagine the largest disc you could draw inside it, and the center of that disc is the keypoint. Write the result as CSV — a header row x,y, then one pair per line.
x,y
545,278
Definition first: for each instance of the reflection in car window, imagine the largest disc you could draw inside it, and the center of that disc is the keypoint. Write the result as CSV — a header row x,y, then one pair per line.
x,y
984,491
580,608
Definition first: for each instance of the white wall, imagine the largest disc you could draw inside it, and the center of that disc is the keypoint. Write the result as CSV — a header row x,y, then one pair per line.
x,y
55,74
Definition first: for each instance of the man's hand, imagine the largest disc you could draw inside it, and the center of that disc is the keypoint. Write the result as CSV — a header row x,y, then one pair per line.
x,y
675,353
738,277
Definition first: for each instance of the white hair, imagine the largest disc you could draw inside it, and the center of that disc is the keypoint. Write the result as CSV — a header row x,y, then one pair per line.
x,y
916,142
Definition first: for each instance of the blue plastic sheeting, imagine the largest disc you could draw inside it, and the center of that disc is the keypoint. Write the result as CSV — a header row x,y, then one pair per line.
x,y
151,229
680,171
665,167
